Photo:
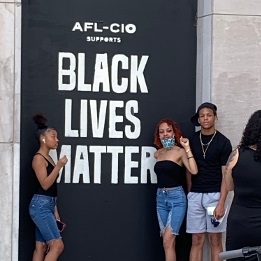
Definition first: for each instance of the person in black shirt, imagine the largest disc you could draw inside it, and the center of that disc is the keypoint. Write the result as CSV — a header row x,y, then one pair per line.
x,y
43,209
243,175
206,199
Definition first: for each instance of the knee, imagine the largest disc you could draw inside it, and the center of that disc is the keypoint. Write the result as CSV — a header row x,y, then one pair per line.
x,y
198,240
41,248
215,240
60,247
57,246
169,242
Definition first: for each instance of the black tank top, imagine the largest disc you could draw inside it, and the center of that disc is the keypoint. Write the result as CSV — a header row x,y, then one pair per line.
x,y
169,174
247,179
52,191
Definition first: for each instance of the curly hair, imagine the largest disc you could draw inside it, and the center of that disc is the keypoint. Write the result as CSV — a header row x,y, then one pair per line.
x,y
252,134
176,130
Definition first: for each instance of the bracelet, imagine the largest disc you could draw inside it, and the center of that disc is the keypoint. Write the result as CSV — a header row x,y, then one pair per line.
x,y
190,157
188,150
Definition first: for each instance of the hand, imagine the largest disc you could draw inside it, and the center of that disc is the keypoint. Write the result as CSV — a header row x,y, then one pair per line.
x,y
184,142
62,161
219,211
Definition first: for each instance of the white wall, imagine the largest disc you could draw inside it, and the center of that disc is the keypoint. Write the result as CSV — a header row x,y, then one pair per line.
x,y
10,44
229,63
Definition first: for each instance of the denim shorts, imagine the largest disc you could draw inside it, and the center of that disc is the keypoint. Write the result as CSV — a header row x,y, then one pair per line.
x,y
171,208
41,210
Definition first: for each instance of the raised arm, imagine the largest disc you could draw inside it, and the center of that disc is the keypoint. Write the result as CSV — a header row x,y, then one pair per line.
x,y
39,165
187,157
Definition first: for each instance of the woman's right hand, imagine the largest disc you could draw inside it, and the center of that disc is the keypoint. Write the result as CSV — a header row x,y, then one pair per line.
x,y
62,161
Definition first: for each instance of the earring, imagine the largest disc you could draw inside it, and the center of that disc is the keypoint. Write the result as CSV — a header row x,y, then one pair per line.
x,y
43,140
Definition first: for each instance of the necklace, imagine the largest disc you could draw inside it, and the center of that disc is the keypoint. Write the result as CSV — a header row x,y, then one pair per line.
x,y
252,147
204,150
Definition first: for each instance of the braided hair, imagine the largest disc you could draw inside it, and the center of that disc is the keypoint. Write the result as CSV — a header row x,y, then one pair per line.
x,y
252,134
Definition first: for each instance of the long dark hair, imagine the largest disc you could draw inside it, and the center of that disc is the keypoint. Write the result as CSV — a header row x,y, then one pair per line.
x,y
176,130
252,134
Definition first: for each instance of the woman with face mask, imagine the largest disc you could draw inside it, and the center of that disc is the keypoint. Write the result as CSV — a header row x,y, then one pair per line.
x,y
172,156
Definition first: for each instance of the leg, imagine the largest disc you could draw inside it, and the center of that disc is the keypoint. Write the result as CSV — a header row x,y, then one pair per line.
x,y
214,233
55,249
39,251
196,225
176,205
215,241
169,245
196,253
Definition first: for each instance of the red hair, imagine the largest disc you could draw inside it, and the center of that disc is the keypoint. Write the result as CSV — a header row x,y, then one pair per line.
x,y
176,130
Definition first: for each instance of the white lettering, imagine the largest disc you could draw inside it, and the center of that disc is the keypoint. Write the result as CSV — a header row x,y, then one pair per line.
x,y
81,165
68,78
81,74
147,164
114,119
83,118
137,75
77,26
98,122
97,150
66,72
115,150
129,164
116,87
131,108
101,74
68,132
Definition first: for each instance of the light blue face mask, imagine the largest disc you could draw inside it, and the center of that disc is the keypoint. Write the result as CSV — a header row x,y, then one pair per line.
x,y
168,143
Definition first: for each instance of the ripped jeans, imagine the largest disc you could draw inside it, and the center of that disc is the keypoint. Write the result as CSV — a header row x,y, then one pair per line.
x,y
171,208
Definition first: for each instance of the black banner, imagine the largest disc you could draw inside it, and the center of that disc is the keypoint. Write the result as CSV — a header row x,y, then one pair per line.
x,y
104,73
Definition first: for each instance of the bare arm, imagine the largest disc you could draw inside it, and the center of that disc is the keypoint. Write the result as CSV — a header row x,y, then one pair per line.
x,y
39,166
189,162
156,154
232,160
56,213
187,157
189,182
226,185
219,211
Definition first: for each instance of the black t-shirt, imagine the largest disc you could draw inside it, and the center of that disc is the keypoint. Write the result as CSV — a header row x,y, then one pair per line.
x,y
209,175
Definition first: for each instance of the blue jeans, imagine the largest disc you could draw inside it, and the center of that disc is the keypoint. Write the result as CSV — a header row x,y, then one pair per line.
x,y
41,210
171,208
